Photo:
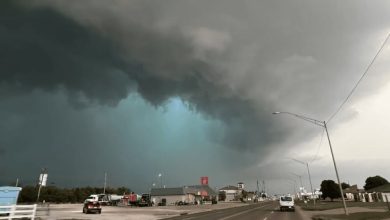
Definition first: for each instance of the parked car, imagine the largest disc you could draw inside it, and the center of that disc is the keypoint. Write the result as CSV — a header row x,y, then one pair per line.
x,y
92,206
286,203
145,200
181,203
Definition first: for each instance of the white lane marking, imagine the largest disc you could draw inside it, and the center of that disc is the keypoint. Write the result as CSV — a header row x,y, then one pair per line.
x,y
243,212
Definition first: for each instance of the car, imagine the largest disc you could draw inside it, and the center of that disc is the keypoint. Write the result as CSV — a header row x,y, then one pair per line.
x,y
145,200
92,207
181,203
286,203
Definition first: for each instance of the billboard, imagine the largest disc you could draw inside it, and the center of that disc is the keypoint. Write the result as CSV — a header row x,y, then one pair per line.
x,y
43,179
204,180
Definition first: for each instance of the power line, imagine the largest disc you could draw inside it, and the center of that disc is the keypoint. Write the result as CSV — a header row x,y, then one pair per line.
x,y
361,78
319,146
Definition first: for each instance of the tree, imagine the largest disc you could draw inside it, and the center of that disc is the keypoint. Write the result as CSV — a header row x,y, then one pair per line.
x,y
28,194
62,195
345,185
375,181
330,189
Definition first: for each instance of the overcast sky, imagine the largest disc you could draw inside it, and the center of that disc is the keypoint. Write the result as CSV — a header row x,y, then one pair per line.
x,y
187,89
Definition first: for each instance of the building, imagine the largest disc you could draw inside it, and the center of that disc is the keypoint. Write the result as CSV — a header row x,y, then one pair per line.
x,y
196,194
353,193
232,193
171,196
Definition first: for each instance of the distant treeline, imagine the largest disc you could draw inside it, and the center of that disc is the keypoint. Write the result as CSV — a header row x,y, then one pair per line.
x,y
53,194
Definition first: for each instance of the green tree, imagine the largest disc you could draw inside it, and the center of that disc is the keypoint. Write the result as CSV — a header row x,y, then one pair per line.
x,y
122,190
28,194
330,189
375,181
345,185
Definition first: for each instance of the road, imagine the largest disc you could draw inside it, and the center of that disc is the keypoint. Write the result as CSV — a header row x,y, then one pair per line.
x,y
259,211
73,211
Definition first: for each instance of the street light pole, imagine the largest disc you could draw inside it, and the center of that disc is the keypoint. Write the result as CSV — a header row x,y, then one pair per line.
x,y
322,124
335,167
300,178
308,172
161,182
295,186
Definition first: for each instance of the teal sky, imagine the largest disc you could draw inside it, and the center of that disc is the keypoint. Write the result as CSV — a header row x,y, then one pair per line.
x,y
133,142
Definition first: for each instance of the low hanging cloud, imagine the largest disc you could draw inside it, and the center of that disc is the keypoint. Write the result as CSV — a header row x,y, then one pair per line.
x,y
100,52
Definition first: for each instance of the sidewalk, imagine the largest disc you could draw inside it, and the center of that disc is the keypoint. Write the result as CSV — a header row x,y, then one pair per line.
x,y
304,214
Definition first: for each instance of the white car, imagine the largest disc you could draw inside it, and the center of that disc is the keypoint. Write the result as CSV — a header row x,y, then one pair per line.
x,y
286,203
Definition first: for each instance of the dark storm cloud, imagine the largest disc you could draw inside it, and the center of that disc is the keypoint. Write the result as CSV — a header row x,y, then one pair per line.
x,y
235,66
44,49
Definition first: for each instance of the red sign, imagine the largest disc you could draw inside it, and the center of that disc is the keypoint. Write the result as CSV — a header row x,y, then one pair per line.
x,y
204,180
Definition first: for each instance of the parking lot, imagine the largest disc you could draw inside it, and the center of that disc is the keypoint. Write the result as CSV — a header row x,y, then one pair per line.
x,y
74,211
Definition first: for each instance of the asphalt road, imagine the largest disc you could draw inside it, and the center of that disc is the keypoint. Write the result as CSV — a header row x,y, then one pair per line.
x,y
260,211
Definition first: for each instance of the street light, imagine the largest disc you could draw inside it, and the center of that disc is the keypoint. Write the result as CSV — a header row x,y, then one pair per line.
x,y
322,124
299,176
161,182
295,186
308,171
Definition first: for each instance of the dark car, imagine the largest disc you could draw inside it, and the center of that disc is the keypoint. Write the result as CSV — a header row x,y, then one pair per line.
x,y
90,207
182,203
145,200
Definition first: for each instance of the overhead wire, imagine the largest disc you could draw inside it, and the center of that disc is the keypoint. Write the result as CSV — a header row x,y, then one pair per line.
x,y
358,82
319,146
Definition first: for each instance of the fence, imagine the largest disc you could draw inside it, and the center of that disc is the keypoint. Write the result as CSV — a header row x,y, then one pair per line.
x,y
18,211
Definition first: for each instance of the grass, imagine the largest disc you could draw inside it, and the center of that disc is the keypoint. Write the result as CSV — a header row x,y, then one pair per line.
x,y
355,216
326,205
322,205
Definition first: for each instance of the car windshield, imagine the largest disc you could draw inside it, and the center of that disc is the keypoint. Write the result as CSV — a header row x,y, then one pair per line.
x,y
286,199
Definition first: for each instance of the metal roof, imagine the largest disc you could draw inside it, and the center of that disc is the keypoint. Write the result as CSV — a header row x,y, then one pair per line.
x,y
167,191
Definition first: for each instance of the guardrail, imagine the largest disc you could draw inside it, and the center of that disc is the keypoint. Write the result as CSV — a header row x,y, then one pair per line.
x,y
18,211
